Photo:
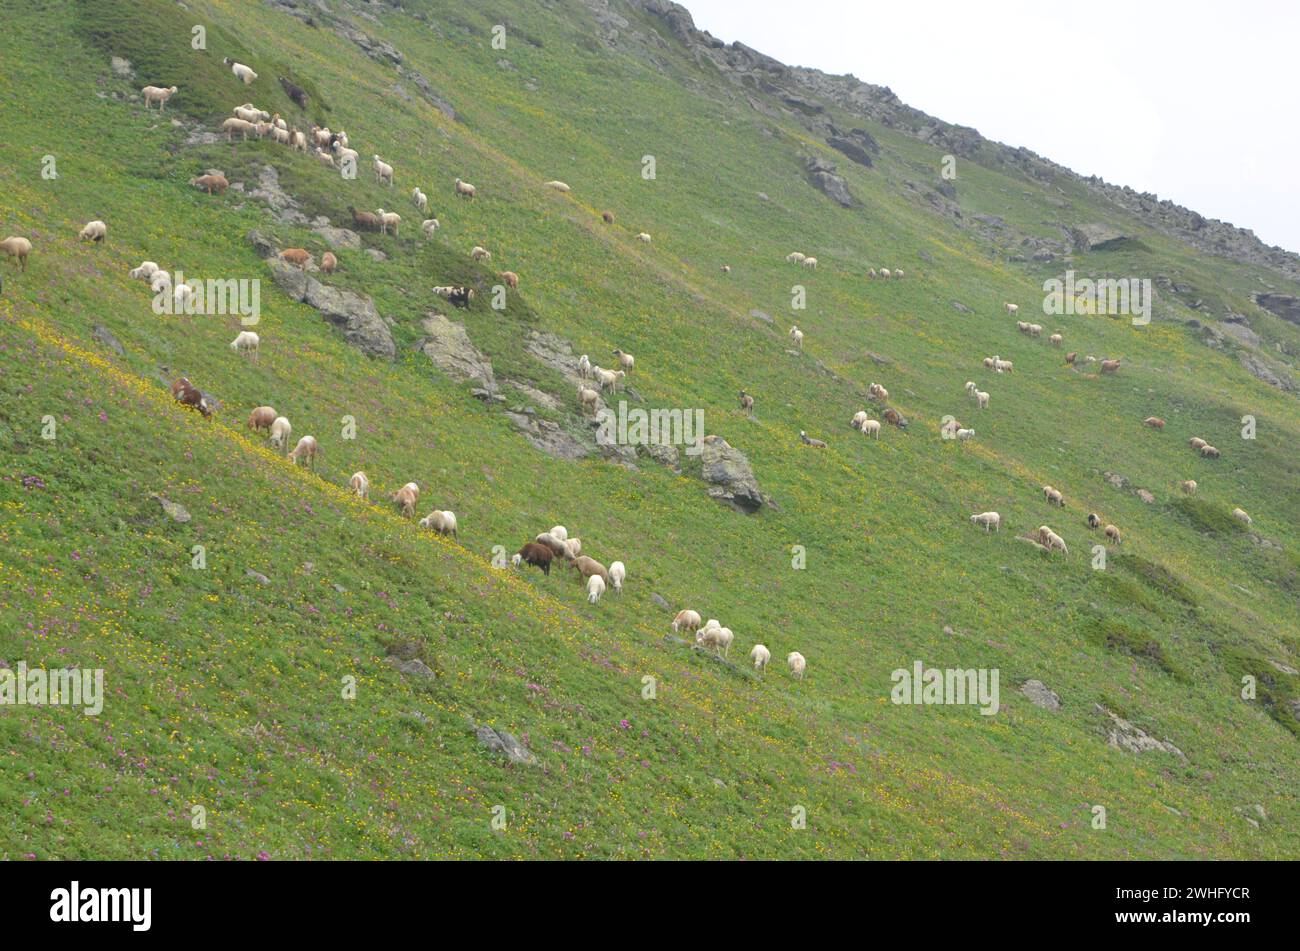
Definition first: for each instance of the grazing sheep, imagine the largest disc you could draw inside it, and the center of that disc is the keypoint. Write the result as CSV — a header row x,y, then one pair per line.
x,y
323,138
588,399
306,451
595,588
364,220
383,171
747,402
686,620
898,273
965,434
329,263
1094,520
1112,533
1109,366
247,343
261,418
299,257
325,158
1155,422
573,548
347,157
981,399
213,184
797,336
429,226
1209,452
1053,496
181,296
280,433
556,545
93,231
406,497
442,522
894,418
795,661
884,272
298,140
465,190
991,521
719,638
157,94
250,113
1056,340
558,186
809,441
146,270
871,428
511,279
1012,309
480,254
1003,366
988,362
1188,486
241,71
294,92
161,282
420,198
643,238
809,263
1022,326
858,419
280,135
971,389
607,217
871,273
608,378
17,248
1241,515
795,257
948,429
589,567
189,395
1071,357
617,572
535,554
1035,330
625,360
235,124
560,532
388,219
760,655
877,393
1196,442
1050,540
359,485
726,269
584,367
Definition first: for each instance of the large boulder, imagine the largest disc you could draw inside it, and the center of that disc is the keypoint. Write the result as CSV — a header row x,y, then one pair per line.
x,y
827,180
728,470
1095,237
449,347
352,313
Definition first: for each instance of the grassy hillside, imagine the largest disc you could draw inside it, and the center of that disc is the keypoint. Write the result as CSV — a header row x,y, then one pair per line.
x,y
228,693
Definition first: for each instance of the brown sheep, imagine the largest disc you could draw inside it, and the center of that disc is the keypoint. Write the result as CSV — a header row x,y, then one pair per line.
x,y
188,395
296,256
894,418
261,418
329,263
1109,366
1071,357
1196,442
1155,422
746,402
213,184
536,554
1113,534
586,567
365,220
17,248
406,497
607,217
511,279
1209,452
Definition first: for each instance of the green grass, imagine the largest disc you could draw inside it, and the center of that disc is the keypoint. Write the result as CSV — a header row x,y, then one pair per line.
x,y
227,693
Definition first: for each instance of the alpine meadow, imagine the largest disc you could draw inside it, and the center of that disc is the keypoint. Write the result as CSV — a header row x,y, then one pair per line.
x,y
539,429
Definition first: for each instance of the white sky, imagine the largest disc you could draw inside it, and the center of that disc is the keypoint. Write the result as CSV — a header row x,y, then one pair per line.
x,y
1196,101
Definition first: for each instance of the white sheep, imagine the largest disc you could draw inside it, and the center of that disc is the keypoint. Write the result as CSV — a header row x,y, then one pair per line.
x,y
305,451
158,94
608,378
280,433
760,655
858,419
871,428
1241,515
643,238
982,399
617,572
884,272
442,522
383,171
93,231
795,257
1050,540
429,226
241,71
626,360
991,521
247,343
797,336
388,219
420,198
465,189
242,126
558,186
146,270
686,620
359,485
573,548
796,663
250,113
971,389
719,638
1012,309
181,296
560,532
595,588
810,263
1053,496
160,282
584,367
480,254
965,434
588,399
1002,366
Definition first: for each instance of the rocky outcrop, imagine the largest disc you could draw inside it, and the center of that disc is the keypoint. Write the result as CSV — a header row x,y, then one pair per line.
x,y
448,346
352,313
1040,695
1096,237
729,472
499,741
1123,735
280,202
826,178
1280,305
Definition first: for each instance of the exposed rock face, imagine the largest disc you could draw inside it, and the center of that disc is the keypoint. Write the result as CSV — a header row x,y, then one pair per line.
x,y
828,181
1288,308
727,468
1093,237
499,741
352,313
339,237
280,202
1040,695
1259,367
122,67
857,144
105,338
448,346
175,511
1123,735
548,437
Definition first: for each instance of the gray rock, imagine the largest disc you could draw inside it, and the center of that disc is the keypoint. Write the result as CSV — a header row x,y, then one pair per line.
x,y
1259,367
1040,695
413,667
338,237
1280,305
828,181
105,338
536,395
280,202
548,437
727,468
377,254
355,315
1123,735
256,576
448,346
499,741
761,315
175,511
263,245
1094,237
961,308
122,67
660,602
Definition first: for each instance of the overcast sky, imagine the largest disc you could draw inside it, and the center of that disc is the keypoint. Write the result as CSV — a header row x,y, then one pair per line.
x,y
1196,101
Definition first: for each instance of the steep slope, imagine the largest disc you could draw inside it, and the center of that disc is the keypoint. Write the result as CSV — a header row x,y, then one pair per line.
x,y
227,692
